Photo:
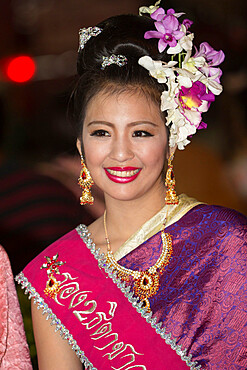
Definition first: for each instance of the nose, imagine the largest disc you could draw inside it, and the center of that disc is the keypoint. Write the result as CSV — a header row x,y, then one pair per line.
x,y
121,150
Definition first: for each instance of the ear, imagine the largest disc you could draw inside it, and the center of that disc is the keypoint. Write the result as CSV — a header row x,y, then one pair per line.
x,y
78,145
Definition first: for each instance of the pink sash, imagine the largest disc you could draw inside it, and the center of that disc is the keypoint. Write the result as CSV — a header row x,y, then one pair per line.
x,y
102,325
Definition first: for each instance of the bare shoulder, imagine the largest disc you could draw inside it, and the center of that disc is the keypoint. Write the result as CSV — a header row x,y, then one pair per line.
x,y
53,351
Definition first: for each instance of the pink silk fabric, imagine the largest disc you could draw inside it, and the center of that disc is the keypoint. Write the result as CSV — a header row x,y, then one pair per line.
x,y
98,315
14,352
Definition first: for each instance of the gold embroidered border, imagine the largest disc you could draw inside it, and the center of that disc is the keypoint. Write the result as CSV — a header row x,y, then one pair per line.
x,y
170,213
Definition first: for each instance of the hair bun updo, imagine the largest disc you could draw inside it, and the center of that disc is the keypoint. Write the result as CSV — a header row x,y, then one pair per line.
x,y
123,34
120,35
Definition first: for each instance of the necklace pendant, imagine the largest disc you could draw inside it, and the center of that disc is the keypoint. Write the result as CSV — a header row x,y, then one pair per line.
x,y
146,285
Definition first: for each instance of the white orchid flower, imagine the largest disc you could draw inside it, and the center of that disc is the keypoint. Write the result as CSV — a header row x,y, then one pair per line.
x,y
149,9
186,42
185,131
172,141
192,117
203,107
175,118
192,64
158,69
182,144
167,102
175,49
178,137
185,78
184,81
155,68
211,84
172,87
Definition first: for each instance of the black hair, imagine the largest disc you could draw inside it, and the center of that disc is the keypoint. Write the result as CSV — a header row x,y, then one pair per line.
x,y
123,34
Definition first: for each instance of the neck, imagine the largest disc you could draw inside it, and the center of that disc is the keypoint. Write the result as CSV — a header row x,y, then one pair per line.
x,y
124,218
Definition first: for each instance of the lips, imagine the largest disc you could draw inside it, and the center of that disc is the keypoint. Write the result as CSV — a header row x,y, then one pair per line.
x,y
122,175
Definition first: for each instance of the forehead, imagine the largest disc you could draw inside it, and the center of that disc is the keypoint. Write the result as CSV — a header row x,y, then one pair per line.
x,y
131,104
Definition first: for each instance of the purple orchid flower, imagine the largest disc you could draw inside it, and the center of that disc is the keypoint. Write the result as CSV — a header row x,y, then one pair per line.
x,y
187,23
213,57
168,32
192,98
160,14
195,99
202,126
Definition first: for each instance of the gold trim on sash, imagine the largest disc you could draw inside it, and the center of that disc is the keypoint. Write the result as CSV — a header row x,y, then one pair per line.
x,y
170,213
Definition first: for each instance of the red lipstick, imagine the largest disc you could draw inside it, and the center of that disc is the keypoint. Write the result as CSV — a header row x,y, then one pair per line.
x,y
122,175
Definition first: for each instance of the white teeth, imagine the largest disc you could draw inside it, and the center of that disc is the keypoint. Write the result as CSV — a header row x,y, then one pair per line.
x,y
123,173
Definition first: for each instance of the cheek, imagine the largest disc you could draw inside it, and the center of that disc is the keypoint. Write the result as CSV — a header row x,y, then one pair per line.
x,y
94,154
154,155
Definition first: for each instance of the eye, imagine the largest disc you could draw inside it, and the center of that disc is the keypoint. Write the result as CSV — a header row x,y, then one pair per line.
x,y
100,133
141,133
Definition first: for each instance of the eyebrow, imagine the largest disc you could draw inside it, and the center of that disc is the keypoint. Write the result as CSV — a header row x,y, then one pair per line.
x,y
131,124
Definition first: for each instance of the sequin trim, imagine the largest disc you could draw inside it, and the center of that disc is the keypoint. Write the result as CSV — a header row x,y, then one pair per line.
x,y
102,262
63,331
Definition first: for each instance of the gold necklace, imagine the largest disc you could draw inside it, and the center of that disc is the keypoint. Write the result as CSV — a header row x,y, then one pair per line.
x,y
146,283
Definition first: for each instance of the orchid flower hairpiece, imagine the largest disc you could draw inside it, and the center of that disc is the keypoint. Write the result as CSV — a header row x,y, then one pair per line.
x,y
191,81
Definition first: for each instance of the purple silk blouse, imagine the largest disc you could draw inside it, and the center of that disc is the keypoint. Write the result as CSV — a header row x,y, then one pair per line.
x,y
202,300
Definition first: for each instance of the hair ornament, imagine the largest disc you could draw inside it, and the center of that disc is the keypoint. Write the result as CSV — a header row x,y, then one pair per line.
x,y
120,60
85,34
191,81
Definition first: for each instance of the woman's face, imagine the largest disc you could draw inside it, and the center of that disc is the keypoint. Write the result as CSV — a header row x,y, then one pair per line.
x,y
125,141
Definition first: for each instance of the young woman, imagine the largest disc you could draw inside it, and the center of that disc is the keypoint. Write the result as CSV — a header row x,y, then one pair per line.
x,y
159,284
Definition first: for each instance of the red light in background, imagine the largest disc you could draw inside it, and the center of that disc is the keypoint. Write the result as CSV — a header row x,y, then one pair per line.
x,y
21,69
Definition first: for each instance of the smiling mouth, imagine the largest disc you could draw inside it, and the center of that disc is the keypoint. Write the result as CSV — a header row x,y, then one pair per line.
x,y
123,173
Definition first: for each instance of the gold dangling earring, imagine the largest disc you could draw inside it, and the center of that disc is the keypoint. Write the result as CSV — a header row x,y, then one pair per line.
x,y
85,181
171,196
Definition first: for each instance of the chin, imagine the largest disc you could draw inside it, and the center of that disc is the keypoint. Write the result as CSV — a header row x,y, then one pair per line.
x,y
131,191
126,195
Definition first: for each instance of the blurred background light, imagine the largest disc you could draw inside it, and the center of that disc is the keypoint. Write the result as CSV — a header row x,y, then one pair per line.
x,y
21,69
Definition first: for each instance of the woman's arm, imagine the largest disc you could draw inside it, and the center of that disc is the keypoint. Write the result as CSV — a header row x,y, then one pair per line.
x,y
53,351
